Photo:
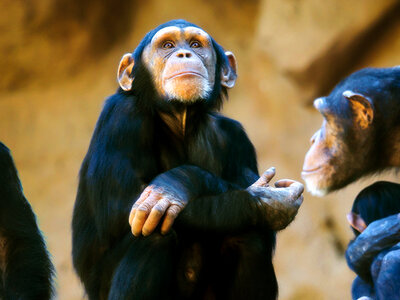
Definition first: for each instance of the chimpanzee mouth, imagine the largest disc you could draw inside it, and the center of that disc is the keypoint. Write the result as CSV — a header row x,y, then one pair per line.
x,y
186,73
311,171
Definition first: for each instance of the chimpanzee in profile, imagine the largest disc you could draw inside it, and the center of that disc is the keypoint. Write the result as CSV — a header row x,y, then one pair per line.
x,y
25,267
162,155
360,134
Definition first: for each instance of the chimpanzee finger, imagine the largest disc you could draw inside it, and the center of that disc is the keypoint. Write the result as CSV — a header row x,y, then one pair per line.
x,y
265,178
299,201
269,174
295,188
170,217
282,183
142,213
143,196
155,216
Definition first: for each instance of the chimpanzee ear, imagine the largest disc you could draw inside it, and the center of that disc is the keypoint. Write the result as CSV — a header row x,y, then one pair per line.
x,y
362,108
228,74
356,222
124,72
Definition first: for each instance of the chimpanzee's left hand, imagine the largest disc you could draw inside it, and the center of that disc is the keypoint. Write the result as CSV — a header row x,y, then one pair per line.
x,y
282,202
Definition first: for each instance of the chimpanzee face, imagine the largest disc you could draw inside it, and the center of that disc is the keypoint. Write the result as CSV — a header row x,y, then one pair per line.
x,y
182,62
337,152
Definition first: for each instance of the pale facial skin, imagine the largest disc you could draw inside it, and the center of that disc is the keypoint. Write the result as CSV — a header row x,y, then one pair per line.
x,y
317,169
182,61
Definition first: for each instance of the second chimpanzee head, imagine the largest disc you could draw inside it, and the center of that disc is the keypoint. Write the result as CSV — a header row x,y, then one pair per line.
x,y
360,133
178,62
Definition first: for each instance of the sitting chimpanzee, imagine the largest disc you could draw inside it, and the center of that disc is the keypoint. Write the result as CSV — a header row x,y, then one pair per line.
x,y
25,267
161,149
360,134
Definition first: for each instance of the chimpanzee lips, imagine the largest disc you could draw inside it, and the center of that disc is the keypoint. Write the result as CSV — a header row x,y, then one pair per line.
x,y
309,171
186,73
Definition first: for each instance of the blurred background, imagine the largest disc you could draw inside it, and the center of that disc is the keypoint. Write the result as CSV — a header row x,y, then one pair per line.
x,y
58,62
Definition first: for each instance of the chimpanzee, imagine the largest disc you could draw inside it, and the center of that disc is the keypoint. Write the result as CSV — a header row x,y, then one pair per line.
x,y
161,149
360,133
25,267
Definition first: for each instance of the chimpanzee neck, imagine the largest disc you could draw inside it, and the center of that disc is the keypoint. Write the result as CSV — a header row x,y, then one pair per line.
x,y
176,121
181,117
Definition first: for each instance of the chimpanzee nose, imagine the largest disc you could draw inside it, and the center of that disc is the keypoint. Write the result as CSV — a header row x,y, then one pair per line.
x,y
184,54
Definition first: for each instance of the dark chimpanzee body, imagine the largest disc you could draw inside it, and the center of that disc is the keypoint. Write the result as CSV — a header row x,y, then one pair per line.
x,y
25,266
360,134
161,147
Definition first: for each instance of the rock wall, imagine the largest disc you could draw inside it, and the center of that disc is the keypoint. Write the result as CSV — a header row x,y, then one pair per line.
x,y
59,59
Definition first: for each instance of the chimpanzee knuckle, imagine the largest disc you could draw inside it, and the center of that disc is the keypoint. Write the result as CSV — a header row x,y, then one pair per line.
x,y
174,210
166,197
157,189
145,207
178,202
143,196
159,208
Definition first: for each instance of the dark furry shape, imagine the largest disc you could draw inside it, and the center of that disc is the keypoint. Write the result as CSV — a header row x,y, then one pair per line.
x,y
221,234
27,272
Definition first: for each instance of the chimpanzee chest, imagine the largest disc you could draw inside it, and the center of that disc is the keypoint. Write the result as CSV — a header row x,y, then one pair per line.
x,y
202,148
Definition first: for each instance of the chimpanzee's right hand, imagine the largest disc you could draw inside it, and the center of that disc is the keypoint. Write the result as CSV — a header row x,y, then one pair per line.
x,y
155,203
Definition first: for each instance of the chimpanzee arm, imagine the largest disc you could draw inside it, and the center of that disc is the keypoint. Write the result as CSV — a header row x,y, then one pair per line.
x,y
214,204
219,205
114,170
118,166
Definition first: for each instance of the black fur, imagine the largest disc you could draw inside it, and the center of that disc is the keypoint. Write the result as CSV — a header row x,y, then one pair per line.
x,y
221,229
26,269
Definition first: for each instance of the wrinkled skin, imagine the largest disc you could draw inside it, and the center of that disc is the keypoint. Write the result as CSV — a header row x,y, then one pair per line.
x,y
282,202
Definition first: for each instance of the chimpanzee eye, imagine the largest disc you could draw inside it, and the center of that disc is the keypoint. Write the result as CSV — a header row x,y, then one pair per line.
x,y
195,44
168,45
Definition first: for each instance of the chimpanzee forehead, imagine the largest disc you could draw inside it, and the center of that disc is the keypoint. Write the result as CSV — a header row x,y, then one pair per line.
x,y
183,33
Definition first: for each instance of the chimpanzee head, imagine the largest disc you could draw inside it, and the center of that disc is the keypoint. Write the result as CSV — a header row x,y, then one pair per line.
x,y
360,131
178,62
